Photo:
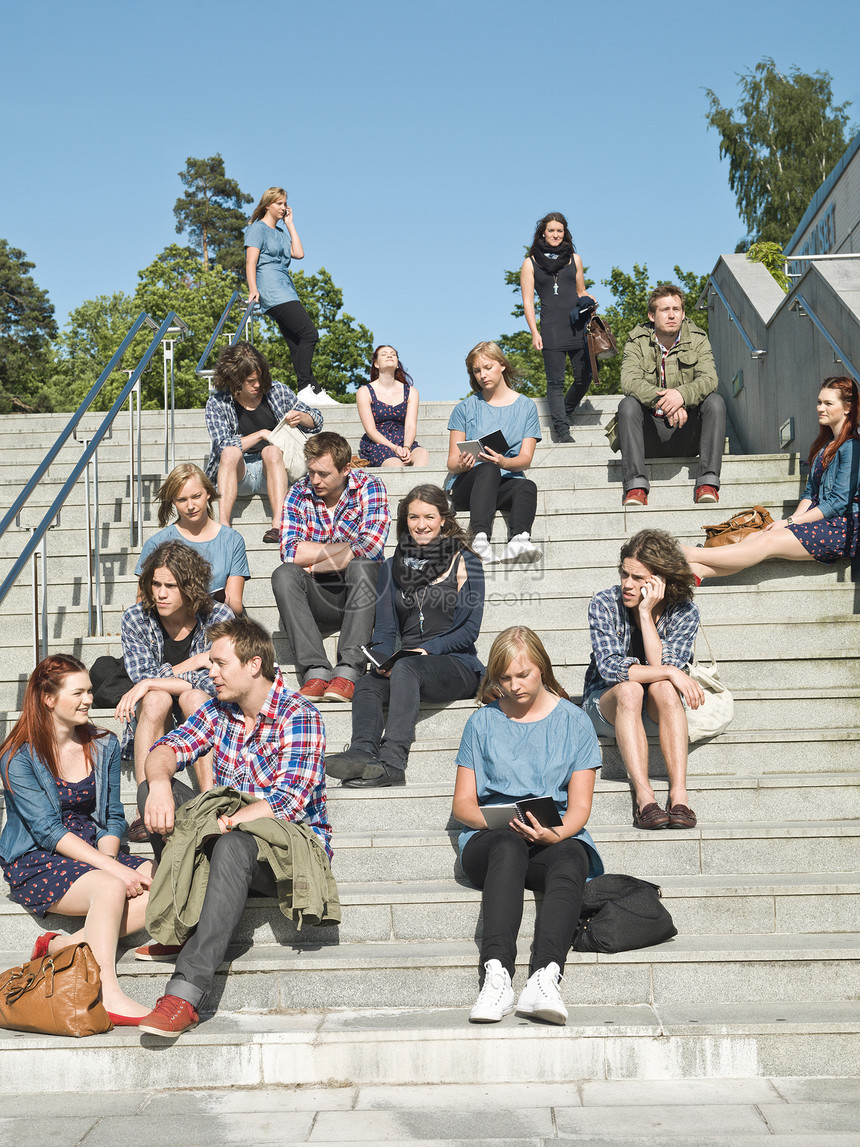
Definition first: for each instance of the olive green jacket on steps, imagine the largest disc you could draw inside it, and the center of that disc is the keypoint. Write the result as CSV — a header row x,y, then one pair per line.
x,y
307,892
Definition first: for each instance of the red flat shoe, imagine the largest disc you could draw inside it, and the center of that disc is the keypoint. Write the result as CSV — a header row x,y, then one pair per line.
x,y
40,948
124,1021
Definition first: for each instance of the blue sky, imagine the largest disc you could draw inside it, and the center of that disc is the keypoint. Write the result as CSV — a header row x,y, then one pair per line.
x,y
418,142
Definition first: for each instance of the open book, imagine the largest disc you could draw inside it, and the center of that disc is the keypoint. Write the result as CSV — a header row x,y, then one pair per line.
x,y
386,665
542,809
495,441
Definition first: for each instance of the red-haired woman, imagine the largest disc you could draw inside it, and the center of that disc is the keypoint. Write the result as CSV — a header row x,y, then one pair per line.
x,y
388,409
60,846
824,527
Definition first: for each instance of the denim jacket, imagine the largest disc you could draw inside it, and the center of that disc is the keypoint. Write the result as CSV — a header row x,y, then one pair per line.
x,y
833,492
33,816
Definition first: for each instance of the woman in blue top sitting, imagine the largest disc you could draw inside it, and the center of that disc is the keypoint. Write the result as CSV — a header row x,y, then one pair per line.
x,y
189,492
388,409
484,481
271,243
429,598
824,527
527,740
60,847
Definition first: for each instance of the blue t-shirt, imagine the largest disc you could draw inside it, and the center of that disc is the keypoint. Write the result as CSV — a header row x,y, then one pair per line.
x,y
274,281
514,759
475,418
225,553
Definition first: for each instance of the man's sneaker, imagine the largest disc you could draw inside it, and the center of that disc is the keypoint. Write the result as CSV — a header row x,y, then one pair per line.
x,y
541,999
635,497
706,494
520,548
481,546
171,1016
155,951
339,689
314,688
496,998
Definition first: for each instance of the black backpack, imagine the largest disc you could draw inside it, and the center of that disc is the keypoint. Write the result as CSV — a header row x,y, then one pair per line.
x,y
620,913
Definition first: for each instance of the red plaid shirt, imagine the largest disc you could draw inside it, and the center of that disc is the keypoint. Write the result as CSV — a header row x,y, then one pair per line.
x,y
281,761
361,517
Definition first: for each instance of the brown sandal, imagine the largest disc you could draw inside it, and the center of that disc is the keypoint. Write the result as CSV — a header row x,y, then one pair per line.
x,y
651,816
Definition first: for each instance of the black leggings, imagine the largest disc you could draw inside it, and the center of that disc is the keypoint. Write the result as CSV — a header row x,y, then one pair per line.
x,y
300,335
483,490
503,864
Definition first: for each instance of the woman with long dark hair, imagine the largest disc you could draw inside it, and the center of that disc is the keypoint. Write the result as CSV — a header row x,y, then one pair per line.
x,y
271,243
430,599
554,270
528,740
824,527
388,409
60,846
485,481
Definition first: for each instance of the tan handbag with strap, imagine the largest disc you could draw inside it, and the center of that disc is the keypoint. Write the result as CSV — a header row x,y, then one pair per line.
x,y
737,527
601,342
57,995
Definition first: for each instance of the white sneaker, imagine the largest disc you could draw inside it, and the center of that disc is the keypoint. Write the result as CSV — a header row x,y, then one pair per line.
x,y
541,998
311,397
481,546
496,998
521,548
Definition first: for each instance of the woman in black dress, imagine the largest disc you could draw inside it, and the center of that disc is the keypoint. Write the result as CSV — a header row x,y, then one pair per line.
x,y
553,269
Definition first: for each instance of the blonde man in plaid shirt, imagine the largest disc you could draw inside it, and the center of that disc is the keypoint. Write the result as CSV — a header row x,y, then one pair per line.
x,y
333,530
268,742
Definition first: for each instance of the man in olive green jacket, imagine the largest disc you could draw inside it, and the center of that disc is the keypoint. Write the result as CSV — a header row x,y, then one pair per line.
x,y
671,407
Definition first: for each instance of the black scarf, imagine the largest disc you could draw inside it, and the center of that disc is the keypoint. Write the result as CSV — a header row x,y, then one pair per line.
x,y
552,259
417,566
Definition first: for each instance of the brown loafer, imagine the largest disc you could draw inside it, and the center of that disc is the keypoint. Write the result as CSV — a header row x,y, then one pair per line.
x,y
680,816
651,816
272,537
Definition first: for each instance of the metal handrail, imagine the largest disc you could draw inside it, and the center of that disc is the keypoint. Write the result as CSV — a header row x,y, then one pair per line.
x,y
200,369
38,532
812,259
15,509
756,353
800,305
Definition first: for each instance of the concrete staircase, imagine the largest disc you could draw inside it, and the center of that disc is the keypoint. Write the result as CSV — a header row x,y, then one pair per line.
x,y
764,976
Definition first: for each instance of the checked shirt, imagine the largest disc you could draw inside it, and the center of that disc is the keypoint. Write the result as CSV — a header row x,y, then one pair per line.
x,y
361,517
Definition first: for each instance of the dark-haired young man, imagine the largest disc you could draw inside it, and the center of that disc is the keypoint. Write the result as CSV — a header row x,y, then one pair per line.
x,y
333,532
670,407
268,743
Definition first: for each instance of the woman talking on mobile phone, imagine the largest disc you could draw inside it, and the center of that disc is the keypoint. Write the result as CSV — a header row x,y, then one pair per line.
x,y
642,635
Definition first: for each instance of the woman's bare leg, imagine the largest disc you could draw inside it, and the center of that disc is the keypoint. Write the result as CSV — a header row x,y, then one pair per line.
x,y
102,899
721,561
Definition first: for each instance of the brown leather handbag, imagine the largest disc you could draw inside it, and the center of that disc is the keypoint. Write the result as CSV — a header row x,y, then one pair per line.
x,y
737,527
601,342
57,995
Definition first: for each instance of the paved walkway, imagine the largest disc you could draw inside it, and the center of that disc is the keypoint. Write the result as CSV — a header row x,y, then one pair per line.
x,y
772,1112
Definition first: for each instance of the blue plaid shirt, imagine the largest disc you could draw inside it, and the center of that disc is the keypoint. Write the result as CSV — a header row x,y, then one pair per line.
x,y
611,634
279,761
222,421
143,651
361,517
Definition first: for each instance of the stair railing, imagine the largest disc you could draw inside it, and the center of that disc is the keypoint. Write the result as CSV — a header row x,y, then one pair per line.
x,y
87,462
755,352
246,324
802,308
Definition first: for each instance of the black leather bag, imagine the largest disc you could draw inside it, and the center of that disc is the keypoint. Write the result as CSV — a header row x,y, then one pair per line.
x,y
620,913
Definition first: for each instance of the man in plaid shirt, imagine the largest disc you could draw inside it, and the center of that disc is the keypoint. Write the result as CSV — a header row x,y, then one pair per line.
x,y
333,530
268,742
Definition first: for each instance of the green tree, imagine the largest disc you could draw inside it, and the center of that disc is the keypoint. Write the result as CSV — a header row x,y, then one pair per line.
x,y
211,212
342,356
27,327
89,339
785,141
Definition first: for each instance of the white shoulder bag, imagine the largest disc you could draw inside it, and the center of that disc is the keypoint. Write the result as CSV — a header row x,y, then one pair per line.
x,y
715,715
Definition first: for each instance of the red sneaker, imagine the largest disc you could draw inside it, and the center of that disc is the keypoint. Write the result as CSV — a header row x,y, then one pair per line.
x,y
314,688
155,951
339,689
170,1016
706,494
635,497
